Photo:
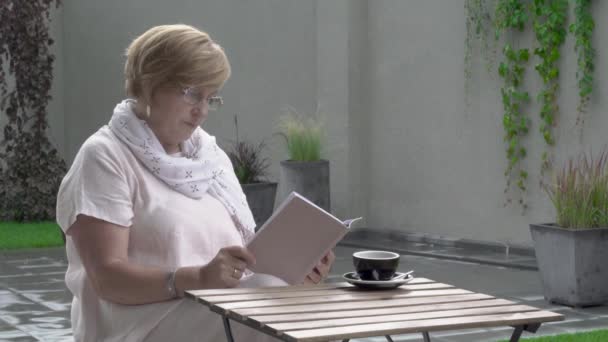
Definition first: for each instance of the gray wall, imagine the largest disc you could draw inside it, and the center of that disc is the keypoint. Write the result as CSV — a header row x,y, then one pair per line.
x,y
274,46
407,151
271,45
437,164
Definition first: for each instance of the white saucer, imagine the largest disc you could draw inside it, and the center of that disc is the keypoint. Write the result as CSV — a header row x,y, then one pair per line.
x,y
353,278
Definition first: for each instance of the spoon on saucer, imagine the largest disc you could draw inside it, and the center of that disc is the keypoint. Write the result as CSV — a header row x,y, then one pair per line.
x,y
403,275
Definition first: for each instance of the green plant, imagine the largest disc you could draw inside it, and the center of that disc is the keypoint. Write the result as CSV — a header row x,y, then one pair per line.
x,y
550,29
478,19
303,136
249,166
510,14
473,29
579,192
515,122
582,29
247,161
30,167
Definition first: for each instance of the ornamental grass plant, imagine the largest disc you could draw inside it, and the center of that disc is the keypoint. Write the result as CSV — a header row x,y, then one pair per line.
x,y
247,161
579,192
304,136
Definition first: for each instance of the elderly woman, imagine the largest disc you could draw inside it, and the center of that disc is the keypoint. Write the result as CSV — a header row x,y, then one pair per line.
x,y
151,206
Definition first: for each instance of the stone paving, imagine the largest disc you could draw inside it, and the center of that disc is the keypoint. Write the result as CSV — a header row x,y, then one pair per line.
x,y
35,304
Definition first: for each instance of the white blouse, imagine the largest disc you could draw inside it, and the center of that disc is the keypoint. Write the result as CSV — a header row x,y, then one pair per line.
x,y
167,230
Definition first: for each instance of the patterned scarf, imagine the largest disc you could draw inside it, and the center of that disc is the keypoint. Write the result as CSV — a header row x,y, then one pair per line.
x,y
205,167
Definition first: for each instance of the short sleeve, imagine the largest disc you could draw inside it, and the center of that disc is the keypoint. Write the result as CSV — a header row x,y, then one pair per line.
x,y
96,185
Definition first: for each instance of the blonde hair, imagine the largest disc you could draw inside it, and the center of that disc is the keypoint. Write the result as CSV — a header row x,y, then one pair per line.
x,y
174,55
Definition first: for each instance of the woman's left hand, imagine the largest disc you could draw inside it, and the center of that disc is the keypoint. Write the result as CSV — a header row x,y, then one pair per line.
x,y
321,270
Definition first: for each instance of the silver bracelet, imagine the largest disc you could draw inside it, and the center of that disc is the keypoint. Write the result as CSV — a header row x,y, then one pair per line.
x,y
171,284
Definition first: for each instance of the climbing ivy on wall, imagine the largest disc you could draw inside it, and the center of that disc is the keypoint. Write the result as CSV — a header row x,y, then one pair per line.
x,y
479,17
550,31
511,18
549,24
31,169
582,29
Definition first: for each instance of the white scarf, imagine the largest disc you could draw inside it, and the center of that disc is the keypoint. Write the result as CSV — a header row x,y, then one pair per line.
x,y
205,168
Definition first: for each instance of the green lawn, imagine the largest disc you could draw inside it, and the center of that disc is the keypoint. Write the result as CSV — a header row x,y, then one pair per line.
x,y
14,235
590,336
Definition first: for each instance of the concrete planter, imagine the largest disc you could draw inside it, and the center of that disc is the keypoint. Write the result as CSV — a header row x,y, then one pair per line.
x,y
260,197
309,179
573,264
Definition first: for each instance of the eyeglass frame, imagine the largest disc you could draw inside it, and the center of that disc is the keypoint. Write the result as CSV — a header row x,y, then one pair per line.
x,y
194,98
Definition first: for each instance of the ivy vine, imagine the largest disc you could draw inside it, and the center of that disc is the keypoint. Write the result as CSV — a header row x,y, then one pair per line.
x,y
515,122
478,19
30,167
582,28
512,16
550,29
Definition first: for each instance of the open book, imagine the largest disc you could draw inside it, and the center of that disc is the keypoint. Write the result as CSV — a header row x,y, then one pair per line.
x,y
295,238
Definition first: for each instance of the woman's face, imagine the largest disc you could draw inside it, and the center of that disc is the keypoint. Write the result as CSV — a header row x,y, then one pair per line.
x,y
172,116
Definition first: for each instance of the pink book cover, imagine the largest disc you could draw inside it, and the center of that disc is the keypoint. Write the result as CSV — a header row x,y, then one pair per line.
x,y
295,238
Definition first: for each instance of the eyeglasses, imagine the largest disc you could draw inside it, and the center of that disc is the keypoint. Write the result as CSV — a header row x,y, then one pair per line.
x,y
194,98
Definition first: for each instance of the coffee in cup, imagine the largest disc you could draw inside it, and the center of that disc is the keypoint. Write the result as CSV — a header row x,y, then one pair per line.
x,y
376,265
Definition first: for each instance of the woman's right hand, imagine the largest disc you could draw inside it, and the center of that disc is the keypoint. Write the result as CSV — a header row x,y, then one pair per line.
x,y
226,268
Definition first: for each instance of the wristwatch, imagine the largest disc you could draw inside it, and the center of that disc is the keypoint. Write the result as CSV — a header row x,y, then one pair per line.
x,y
171,284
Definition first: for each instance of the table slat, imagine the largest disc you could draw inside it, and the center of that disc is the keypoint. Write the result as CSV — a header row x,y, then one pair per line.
x,y
289,288
343,322
354,296
324,292
395,328
372,304
398,309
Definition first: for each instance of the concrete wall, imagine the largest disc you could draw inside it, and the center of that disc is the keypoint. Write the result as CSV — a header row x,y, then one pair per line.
x,y
271,45
283,53
407,151
436,164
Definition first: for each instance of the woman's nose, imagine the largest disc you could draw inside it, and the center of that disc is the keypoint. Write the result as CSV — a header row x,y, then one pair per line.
x,y
201,109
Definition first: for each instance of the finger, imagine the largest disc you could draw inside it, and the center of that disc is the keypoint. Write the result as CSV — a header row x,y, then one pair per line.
x,y
232,282
237,264
326,257
232,278
307,280
331,257
318,269
322,270
315,277
231,271
241,253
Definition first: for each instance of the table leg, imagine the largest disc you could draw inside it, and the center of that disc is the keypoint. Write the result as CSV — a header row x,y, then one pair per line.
x,y
426,336
388,338
228,329
516,334
520,328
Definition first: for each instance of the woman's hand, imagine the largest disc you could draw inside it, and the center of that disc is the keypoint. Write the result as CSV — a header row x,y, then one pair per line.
x,y
226,269
321,270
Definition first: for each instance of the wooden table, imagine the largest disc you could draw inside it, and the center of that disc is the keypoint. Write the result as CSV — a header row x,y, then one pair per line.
x,y
341,311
